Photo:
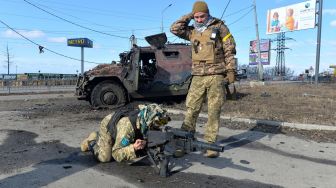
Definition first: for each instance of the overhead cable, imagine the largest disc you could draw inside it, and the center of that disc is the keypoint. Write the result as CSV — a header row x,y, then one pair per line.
x,y
73,23
225,9
44,48
238,11
241,17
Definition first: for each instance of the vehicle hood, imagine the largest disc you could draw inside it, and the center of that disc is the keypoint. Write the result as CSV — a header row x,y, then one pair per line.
x,y
105,70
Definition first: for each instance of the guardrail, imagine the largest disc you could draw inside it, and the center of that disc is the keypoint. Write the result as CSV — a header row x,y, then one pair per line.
x,y
15,86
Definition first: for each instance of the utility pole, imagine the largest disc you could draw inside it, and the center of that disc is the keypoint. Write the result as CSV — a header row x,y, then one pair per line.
x,y
260,67
7,60
8,56
280,68
162,16
318,47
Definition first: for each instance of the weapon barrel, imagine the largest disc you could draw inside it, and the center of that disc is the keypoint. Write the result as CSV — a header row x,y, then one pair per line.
x,y
207,146
181,133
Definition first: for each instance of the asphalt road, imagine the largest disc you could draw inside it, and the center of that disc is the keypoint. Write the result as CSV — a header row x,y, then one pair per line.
x,y
39,150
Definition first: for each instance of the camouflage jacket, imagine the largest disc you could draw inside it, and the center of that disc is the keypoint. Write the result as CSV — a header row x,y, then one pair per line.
x,y
224,47
122,149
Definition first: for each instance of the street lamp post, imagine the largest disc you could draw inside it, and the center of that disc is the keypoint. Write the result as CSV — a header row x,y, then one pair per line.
x,y
260,67
162,16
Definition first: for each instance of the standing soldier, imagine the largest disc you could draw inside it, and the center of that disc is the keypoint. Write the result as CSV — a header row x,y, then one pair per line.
x,y
122,134
213,63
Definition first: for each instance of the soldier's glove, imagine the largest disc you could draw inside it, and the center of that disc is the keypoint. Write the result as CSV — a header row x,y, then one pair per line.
x,y
230,76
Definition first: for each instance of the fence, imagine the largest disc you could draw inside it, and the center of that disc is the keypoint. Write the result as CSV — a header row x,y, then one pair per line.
x,y
41,85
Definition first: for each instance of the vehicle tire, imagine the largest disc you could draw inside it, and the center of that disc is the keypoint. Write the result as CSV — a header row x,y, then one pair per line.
x,y
108,94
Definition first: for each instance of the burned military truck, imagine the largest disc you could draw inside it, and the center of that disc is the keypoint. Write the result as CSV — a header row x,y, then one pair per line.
x,y
156,71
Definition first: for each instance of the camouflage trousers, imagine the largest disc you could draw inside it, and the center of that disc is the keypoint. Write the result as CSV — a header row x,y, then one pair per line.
x,y
102,149
201,87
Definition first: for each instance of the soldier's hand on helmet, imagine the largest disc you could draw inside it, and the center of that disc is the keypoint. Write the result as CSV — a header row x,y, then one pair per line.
x,y
230,76
139,144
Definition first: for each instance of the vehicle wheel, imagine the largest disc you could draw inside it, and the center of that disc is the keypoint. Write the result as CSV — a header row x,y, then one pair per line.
x,y
108,94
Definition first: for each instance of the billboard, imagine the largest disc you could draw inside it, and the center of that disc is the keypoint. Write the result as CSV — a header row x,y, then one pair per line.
x,y
265,58
265,45
291,18
7,76
80,42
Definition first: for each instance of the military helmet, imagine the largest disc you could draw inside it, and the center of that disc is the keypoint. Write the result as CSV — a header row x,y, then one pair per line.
x,y
152,116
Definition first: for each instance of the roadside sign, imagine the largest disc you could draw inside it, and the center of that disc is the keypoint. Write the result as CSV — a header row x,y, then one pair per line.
x,y
265,45
83,43
8,76
80,42
292,17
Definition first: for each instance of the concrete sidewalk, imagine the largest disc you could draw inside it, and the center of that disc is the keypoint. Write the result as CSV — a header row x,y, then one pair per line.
x,y
250,158
301,126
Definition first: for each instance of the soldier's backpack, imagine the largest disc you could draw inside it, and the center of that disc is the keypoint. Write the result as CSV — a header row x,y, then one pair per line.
x,y
124,112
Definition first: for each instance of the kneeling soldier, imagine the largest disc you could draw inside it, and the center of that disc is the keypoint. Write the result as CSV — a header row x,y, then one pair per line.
x,y
122,134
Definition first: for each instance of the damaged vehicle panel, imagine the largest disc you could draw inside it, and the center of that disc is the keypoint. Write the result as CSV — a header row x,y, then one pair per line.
x,y
156,71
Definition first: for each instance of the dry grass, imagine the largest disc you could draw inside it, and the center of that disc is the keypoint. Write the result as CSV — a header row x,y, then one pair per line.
x,y
300,103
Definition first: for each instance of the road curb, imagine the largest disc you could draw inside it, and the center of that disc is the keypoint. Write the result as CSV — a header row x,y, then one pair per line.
x,y
301,126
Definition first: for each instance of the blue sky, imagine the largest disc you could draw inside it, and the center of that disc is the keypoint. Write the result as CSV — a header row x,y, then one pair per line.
x,y
142,18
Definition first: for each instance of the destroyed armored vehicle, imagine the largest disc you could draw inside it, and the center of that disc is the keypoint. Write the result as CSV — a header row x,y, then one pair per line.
x,y
156,71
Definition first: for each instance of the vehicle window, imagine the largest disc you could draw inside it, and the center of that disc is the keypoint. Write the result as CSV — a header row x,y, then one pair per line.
x,y
148,65
170,55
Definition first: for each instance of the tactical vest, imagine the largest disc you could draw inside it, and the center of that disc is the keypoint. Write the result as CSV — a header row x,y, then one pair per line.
x,y
207,53
112,125
203,48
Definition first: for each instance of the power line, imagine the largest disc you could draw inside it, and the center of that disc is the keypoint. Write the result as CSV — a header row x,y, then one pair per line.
x,y
78,18
238,11
225,9
73,23
80,8
72,31
42,47
26,16
241,17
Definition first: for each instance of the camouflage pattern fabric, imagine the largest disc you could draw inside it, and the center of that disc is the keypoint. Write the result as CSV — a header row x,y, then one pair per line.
x,y
208,70
201,87
103,150
225,46
149,115
123,149
103,147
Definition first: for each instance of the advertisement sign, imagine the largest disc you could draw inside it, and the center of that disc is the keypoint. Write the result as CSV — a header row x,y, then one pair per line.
x,y
291,18
265,45
80,42
265,58
8,77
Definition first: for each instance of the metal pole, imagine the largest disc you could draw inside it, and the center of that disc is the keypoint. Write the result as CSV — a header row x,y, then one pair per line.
x,y
318,47
7,60
260,68
162,16
82,60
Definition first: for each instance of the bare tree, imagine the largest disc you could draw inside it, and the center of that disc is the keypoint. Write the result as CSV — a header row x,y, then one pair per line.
x,y
269,72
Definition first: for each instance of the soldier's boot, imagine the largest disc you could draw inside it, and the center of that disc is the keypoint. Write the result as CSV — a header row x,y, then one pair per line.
x,y
85,143
211,154
179,152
